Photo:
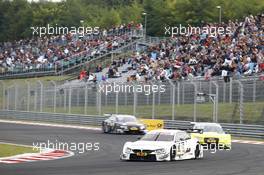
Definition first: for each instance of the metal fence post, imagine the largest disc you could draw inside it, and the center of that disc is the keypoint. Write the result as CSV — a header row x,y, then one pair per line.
x,y
173,100
241,105
194,102
35,98
55,96
153,106
210,86
64,99
70,98
215,116
98,104
85,99
178,93
254,90
224,92
135,102
28,95
16,93
116,103
183,92
106,99
78,96
7,99
3,100
230,90
41,95
159,95
126,98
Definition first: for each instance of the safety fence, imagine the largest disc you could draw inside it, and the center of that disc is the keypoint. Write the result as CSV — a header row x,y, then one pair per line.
x,y
237,101
254,131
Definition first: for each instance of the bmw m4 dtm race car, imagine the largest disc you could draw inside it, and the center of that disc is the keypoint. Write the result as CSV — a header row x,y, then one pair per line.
x,y
123,124
163,145
213,134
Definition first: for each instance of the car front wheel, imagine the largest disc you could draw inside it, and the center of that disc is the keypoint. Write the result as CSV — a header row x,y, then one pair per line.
x,y
105,128
197,152
173,153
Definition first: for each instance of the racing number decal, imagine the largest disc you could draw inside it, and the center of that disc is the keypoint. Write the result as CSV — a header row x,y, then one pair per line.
x,y
180,148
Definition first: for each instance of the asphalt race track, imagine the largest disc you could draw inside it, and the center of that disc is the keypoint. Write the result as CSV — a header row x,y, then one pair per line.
x,y
242,159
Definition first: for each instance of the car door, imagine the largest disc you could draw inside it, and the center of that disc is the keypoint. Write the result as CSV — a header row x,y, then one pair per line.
x,y
188,142
180,144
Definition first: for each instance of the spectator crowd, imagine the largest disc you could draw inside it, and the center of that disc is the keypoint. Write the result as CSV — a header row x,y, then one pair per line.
x,y
240,53
52,51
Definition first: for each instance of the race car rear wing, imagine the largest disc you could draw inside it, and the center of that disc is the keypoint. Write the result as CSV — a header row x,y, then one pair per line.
x,y
190,130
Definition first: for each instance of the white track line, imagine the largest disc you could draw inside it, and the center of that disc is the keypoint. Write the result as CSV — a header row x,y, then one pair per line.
x,y
52,125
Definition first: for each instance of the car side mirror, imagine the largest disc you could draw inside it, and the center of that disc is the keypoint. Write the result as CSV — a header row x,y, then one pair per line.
x,y
138,138
181,139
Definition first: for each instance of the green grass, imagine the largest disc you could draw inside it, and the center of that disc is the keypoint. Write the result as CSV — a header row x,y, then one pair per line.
x,y
7,150
228,113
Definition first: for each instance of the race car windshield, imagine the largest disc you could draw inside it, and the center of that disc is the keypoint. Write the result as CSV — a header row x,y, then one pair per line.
x,y
158,137
126,119
209,128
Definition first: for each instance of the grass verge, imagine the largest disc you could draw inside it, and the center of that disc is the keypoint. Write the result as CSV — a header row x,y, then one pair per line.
x,y
7,150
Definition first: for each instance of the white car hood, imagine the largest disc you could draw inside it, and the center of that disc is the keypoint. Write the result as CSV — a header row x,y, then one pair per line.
x,y
149,145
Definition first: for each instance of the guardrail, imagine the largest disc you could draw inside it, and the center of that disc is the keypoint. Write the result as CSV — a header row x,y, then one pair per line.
x,y
52,117
253,131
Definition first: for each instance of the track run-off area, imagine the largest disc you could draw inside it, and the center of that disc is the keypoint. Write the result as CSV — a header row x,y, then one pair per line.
x,y
102,156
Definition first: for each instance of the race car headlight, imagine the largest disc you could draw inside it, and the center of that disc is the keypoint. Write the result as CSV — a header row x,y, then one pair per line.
x,y
161,151
142,127
128,150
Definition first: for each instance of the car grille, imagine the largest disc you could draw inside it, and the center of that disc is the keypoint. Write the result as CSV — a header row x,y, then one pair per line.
x,y
144,151
149,157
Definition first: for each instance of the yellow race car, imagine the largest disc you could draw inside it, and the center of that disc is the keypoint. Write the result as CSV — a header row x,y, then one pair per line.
x,y
212,134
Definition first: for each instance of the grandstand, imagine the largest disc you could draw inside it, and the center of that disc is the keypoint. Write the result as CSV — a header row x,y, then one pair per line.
x,y
177,58
57,54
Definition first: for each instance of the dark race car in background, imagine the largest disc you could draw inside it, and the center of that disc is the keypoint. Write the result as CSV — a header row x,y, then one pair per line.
x,y
123,124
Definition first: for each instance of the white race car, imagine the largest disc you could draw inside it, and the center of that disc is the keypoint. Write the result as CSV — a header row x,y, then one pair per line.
x,y
163,145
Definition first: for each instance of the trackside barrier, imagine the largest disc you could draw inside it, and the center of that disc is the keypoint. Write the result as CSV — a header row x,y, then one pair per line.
x,y
53,117
242,130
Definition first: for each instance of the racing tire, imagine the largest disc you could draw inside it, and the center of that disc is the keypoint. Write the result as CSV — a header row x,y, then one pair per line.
x,y
105,128
197,152
173,153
